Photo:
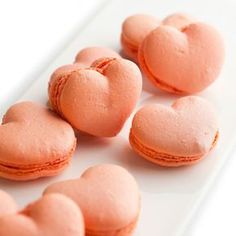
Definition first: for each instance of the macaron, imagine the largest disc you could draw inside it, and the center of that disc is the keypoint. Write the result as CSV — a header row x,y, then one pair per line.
x,y
96,100
182,61
175,136
53,214
7,204
108,197
88,55
34,142
136,27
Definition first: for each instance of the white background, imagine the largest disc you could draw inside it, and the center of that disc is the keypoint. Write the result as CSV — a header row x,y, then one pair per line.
x,y
32,34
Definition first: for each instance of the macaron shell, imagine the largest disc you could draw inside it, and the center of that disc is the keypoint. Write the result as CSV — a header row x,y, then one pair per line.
x,y
179,134
98,101
88,55
108,197
134,30
45,218
7,204
185,61
35,142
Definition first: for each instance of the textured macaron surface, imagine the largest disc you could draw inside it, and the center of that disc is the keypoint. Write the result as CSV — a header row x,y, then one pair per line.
x,y
186,130
53,214
108,197
99,99
34,142
88,55
182,61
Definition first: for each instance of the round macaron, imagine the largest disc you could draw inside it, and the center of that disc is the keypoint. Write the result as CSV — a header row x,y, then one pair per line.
x,y
34,142
182,61
99,99
53,214
88,55
175,136
108,197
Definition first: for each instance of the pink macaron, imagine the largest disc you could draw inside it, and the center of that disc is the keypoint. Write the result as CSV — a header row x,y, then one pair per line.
x,y
175,136
34,142
96,100
109,198
53,214
182,61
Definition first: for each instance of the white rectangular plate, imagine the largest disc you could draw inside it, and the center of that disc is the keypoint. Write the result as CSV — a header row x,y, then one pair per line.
x,y
169,196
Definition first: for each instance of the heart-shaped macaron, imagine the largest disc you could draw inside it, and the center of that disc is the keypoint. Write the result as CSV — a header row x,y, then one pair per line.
x,y
108,197
174,136
183,61
34,142
99,99
7,204
53,214
88,55
136,27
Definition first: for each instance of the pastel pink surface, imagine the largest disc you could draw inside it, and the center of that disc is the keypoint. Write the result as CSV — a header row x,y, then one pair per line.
x,y
53,214
97,100
88,55
108,197
134,29
185,61
7,204
35,142
185,130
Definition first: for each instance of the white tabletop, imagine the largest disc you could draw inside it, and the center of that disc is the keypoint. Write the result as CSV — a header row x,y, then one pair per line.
x,y
34,32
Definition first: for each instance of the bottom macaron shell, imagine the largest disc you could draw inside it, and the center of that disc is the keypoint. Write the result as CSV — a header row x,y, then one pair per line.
x,y
164,159
108,197
30,172
126,231
175,136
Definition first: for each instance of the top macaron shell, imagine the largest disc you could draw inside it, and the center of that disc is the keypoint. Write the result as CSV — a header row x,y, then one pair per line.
x,y
88,55
182,61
